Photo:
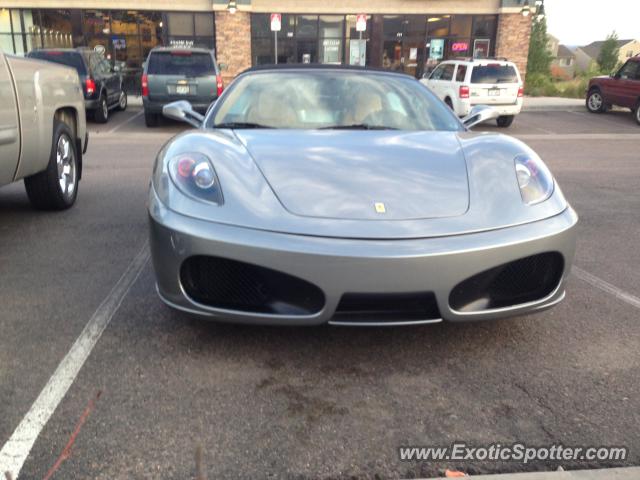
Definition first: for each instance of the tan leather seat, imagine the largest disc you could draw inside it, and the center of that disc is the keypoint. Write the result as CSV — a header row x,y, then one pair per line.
x,y
365,104
271,111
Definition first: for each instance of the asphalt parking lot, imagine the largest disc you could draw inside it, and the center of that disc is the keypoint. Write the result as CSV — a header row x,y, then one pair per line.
x,y
314,402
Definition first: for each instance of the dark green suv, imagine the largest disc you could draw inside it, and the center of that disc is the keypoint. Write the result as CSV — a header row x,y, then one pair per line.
x,y
172,74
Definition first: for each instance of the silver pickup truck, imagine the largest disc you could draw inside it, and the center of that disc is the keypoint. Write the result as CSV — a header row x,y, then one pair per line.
x,y
43,131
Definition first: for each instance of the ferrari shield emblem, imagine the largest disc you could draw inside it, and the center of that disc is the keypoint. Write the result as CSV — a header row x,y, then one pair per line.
x,y
380,208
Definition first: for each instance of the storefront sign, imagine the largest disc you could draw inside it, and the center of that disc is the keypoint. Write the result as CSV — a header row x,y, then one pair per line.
x,y
358,52
181,43
361,22
481,48
331,50
276,22
459,47
436,50
119,43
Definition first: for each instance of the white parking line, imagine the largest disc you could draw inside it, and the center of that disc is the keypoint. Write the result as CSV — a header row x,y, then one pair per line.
x,y
606,287
578,136
128,120
14,453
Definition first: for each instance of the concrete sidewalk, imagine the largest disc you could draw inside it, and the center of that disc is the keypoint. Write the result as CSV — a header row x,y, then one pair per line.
x,y
631,473
546,104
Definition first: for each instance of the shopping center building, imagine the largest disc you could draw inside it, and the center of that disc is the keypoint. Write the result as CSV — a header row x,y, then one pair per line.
x,y
404,35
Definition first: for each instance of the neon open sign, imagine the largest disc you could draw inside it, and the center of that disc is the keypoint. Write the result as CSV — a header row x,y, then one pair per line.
x,y
460,47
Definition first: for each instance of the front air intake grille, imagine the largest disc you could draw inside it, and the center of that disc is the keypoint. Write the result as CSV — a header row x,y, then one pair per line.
x,y
386,307
233,285
521,281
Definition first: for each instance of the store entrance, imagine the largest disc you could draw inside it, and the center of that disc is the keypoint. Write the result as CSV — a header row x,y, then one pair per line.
x,y
404,43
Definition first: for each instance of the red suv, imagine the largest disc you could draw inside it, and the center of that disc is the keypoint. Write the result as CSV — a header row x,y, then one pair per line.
x,y
622,89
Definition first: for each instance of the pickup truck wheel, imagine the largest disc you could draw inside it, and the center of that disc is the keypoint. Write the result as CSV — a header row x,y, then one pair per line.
x,y
122,101
505,121
56,188
101,114
151,119
595,101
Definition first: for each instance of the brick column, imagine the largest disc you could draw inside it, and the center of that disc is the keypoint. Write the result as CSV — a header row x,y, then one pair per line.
x,y
512,42
233,42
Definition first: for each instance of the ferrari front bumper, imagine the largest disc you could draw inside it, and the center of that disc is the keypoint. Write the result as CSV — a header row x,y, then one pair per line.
x,y
346,266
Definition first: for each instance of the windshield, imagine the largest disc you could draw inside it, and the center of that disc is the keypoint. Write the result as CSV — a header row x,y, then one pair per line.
x,y
331,99
494,74
186,63
70,59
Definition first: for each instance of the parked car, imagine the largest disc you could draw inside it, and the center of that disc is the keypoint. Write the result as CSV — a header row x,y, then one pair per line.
x,y
351,196
102,86
621,89
172,74
461,84
43,132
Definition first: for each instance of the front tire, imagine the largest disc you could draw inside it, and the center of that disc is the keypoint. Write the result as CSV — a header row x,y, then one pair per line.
x,y
122,101
56,188
595,101
101,114
505,121
636,113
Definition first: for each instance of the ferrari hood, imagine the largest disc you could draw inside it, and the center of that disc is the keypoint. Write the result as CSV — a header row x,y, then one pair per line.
x,y
363,175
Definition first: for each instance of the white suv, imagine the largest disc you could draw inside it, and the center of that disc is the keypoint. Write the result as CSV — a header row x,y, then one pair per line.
x,y
461,84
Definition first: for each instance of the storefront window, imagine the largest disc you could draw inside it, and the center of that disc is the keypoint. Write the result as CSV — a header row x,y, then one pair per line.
x,y
261,51
438,26
392,26
288,27
203,24
461,26
307,26
484,26
180,24
331,36
6,40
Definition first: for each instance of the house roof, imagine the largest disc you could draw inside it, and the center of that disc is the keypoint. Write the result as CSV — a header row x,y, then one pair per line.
x,y
565,52
593,49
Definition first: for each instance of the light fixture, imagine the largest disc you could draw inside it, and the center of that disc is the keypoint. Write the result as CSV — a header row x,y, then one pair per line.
x,y
526,10
232,6
160,24
541,13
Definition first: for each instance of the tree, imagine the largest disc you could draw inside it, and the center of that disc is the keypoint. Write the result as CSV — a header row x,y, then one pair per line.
x,y
539,60
608,56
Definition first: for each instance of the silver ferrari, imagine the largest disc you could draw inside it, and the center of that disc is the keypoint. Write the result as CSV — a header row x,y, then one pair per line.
x,y
309,195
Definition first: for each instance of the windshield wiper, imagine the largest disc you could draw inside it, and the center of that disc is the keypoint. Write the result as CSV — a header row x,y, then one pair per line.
x,y
358,126
236,125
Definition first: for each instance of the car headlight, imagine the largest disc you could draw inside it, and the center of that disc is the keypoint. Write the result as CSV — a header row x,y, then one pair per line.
x,y
194,175
534,179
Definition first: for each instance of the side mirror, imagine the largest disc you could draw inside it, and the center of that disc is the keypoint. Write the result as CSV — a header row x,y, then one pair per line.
x,y
479,114
223,66
183,112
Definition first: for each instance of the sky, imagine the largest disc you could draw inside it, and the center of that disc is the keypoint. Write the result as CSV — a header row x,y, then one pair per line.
x,y
580,22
